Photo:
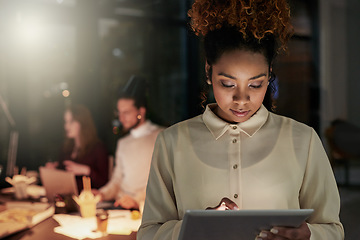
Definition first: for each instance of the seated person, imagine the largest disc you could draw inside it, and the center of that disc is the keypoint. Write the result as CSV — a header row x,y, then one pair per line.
x,y
83,153
134,151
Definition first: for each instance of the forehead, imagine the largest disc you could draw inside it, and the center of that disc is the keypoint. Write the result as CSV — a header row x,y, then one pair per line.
x,y
242,58
125,104
68,114
241,64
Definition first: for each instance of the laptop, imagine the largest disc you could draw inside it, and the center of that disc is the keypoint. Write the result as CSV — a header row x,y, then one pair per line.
x,y
237,224
57,181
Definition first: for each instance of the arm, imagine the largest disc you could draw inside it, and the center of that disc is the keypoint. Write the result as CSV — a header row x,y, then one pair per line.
x,y
99,167
160,217
131,202
319,191
111,190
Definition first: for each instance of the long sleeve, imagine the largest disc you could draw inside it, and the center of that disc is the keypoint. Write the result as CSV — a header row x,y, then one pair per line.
x,y
112,189
99,168
97,159
201,160
133,157
160,218
319,191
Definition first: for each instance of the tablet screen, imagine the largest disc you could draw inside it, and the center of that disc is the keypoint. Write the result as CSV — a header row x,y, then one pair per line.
x,y
237,224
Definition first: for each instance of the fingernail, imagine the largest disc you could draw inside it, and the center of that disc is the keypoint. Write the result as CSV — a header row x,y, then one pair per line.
x,y
274,231
263,235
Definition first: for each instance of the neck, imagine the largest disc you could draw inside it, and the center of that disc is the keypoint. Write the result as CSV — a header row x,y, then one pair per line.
x,y
138,123
77,143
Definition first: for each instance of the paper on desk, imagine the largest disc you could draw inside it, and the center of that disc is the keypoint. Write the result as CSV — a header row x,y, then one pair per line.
x,y
74,226
22,215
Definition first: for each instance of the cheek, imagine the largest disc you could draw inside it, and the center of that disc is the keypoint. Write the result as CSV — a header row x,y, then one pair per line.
x,y
128,119
258,97
76,128
222,97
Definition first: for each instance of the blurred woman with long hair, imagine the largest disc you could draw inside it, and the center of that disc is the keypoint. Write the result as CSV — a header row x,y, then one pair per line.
x,y
83,153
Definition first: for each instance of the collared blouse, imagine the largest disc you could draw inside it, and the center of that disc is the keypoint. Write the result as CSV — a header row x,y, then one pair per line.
x,y
266,162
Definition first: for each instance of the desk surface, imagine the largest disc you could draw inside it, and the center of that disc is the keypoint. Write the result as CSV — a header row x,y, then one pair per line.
x,y
45,230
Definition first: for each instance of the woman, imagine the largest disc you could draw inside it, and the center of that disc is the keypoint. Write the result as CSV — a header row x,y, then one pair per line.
x,y
83,153
237,149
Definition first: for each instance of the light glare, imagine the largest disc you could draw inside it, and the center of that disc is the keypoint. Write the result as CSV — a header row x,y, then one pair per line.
x,y
66,93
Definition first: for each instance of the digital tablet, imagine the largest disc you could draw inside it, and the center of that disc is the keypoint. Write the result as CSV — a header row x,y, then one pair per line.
x,y
237,224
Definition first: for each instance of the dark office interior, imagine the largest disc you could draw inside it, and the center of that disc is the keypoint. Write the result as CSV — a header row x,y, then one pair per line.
x,y
56,52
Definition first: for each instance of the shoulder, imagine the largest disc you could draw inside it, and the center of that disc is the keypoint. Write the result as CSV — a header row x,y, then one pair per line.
x,y
155,129
287,121
96,149
125,138
182,131
189,124
294,127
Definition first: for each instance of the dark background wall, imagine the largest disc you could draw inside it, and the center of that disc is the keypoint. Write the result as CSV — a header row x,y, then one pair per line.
x,y
92,47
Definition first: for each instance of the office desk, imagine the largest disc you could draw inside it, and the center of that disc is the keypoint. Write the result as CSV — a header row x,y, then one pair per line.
x,y
45,229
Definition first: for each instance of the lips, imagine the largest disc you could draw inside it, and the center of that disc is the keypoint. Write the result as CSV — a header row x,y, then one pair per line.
x,y
240,113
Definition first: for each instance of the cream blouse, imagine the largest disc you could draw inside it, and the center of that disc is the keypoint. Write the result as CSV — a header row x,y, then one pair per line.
x,y
266,162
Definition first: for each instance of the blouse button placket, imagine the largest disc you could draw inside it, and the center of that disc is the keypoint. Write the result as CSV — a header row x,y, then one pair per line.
x,y
235,161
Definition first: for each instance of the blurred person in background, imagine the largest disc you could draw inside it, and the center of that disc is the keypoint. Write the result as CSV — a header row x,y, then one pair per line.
x,y
83,152
134,151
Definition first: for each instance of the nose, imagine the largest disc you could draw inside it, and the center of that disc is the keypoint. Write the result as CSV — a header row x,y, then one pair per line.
x,y
241,96
121,118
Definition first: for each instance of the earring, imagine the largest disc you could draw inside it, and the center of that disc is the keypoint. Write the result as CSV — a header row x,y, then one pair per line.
x,y
138,116
208,81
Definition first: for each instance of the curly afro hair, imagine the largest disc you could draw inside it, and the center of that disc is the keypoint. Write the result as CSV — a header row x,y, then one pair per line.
x,y
253,18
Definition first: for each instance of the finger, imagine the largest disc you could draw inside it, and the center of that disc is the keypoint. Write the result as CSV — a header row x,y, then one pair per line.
x,y
266,235
117,203
229,203
68,162
301,232
263,235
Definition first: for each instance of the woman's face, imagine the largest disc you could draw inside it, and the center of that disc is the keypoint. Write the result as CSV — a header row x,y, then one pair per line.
x,y
239,79
71,126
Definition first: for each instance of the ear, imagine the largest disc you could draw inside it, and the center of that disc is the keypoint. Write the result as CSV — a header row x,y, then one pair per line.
x,y
270,74
207,69
207,72
142,112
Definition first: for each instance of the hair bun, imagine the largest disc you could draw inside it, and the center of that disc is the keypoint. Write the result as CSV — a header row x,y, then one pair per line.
x,y
255,18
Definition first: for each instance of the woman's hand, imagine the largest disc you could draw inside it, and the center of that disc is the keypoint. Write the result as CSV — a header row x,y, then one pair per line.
x,y
286,233
77,168
52,165
225,204
127,202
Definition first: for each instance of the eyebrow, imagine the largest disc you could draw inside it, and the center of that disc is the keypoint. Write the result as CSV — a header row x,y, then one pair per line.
x,y
234,78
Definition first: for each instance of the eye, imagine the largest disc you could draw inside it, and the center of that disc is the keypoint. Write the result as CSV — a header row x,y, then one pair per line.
x,y
227,84
256,84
